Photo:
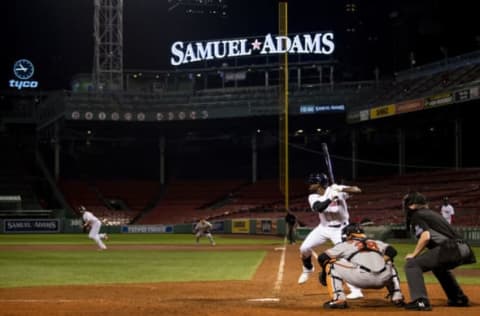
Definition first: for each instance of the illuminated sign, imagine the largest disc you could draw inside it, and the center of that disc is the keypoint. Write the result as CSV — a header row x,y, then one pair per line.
x,y
189,52
439,100
23,69
310,109
382,111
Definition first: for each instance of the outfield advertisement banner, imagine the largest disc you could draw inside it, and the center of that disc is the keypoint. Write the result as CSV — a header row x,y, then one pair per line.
x,y
241,226
266,226
218,227
147,229
31,226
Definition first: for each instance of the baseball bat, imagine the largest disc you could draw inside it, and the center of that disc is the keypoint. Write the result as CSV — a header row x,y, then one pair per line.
x,y
328,163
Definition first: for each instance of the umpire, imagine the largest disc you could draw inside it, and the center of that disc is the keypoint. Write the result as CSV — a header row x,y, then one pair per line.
x,y
446,250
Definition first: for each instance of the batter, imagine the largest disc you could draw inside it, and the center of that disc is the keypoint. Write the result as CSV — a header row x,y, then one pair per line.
x,y
330,203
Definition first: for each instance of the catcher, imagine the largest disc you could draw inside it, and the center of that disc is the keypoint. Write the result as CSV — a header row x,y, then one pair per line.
x,y
362,262
203,228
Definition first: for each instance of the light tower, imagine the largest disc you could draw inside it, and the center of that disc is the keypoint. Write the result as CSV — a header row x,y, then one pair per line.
x,y
108,37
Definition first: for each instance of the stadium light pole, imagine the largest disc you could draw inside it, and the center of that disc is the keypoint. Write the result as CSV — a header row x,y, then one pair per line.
x,y
283,106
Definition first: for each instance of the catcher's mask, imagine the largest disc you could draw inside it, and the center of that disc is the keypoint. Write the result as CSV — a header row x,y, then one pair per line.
x,y
318,178
352,230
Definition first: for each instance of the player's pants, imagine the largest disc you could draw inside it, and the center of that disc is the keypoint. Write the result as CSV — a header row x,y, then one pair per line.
x,y
207,234
318,236
96,236
291,233
343,271
429,261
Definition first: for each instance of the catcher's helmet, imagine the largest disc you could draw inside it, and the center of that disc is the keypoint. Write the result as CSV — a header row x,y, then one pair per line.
x,y
352,230
320,178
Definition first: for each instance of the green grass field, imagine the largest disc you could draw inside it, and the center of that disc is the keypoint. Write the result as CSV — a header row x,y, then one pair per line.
x,y
41,267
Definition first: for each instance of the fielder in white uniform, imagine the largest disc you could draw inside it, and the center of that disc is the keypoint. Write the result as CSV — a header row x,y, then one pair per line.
x,y
360,261
330,203
90,220
203,228
447,210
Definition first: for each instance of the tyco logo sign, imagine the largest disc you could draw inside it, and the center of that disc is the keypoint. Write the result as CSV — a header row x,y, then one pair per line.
x,y
23,69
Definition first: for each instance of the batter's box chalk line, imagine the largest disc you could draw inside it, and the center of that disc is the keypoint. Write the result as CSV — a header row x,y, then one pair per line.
x,y
265,299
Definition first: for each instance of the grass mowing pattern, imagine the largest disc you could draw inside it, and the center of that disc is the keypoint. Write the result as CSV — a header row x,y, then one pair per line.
x,y
130,239
31,268
38,268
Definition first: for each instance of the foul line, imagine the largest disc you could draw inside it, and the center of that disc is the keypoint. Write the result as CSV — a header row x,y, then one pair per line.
x,y
281,269
278,282
37,300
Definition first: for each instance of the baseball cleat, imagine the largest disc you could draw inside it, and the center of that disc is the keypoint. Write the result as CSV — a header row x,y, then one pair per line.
x,y
335,305
355,295
305,275
399,303
420,304
459,302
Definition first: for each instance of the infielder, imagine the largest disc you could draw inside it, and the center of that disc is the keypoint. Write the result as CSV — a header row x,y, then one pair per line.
x,y
330,203
363,262
90,220
203,228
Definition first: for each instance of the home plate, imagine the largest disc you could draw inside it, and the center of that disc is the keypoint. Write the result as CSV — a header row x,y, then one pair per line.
x,y
266,299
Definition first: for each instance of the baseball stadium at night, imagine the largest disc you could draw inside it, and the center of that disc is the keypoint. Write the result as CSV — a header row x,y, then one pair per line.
x,y
239,157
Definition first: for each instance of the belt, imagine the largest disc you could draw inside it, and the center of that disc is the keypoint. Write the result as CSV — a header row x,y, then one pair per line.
x,y
335,226
368,270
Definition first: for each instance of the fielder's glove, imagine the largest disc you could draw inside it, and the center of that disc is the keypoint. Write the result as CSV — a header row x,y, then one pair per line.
x,y
86,228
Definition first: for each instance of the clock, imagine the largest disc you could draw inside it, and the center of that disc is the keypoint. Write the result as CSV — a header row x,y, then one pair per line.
x,y
23,69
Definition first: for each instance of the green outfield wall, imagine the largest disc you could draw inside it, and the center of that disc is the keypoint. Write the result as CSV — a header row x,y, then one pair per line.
x,y
247,226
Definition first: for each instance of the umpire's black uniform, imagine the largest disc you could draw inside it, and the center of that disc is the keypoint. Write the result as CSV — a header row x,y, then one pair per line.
x,y
438,258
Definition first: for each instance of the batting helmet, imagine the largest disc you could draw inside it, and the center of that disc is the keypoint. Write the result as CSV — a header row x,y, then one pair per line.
x,y
318,178
352,230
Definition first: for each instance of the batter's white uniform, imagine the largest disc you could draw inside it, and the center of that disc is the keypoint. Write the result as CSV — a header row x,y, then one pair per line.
x,y
95,225
447,212
364,269
332,220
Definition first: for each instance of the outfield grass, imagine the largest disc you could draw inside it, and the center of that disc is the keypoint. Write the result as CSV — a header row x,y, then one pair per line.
x,y
38,268
131,239
41,267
